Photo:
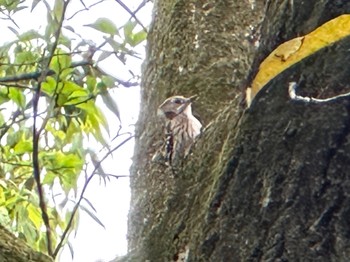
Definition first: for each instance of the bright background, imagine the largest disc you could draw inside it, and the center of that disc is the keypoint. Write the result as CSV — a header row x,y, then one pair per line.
x,y
93,243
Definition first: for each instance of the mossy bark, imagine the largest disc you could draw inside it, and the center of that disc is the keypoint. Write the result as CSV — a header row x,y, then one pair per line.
x,y
13,249
266,184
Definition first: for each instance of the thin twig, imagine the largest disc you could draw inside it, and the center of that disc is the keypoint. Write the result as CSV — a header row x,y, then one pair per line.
x,y
16,85
8,17
131,13
5,127
86,8
36,133
65,233
115,176
19,64
143,3
15,163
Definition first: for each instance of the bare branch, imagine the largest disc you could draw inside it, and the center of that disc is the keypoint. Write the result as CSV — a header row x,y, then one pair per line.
x,y
131,13
25,76
8,17
16,85
86,8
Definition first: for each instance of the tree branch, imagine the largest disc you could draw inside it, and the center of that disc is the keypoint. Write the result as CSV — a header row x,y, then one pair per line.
x,y
25,76
36,133
131,13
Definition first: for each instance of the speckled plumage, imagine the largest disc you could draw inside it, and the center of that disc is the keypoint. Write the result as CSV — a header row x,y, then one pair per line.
x,y
181,126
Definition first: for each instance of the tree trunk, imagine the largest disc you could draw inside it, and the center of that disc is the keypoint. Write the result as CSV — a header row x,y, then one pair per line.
x,y
267,184
13,249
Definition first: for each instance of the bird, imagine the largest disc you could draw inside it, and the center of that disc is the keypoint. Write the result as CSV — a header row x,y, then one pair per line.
x,y
181,127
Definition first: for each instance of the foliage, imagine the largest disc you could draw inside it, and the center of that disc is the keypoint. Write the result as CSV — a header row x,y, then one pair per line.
x,y
48,89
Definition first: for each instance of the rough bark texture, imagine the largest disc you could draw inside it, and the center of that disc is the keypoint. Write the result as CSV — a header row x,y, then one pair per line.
x,y
269,184
285,192
13,249
194,47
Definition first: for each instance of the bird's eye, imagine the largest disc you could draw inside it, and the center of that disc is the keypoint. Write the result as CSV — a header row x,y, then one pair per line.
x,y
177,101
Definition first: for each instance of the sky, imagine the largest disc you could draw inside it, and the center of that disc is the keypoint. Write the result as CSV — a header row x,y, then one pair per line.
x,y
92,243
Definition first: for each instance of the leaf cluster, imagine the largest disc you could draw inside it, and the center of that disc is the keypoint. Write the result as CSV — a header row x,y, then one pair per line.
x,y
49,86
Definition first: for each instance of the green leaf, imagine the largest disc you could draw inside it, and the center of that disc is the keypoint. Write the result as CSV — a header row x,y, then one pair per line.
x,y
3,96
94,120
104,55
49,178
115,45
73,130
128,28
12,138
34,214
18,97
66,168
9,5
68,179
90,204
13,30
138,38
71,249
76,97
89,107
94,116
110,103
60,62
70,28
29,184
69,160
34,4
2,119
104,25
91,83
52,25
25,57
58,9
131,38
29,35
70,87
49,86
42,245
92,215
66,41
27,228
23,147
108,81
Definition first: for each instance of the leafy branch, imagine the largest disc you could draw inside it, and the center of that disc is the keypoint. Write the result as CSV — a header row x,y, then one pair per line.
x,y
49,84
36,132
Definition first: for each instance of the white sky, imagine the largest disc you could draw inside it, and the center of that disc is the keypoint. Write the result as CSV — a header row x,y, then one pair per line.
x,y
93,243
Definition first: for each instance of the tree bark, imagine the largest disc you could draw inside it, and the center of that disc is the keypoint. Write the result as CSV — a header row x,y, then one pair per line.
x,y
13,249
266,184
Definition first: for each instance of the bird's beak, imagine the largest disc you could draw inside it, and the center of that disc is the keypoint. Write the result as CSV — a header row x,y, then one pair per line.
x,y
192,98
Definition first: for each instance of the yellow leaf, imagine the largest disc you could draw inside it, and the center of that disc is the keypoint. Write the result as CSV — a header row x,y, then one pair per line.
x,y
292,51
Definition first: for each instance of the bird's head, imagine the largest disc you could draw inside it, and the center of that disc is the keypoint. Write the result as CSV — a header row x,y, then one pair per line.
x,y
175,105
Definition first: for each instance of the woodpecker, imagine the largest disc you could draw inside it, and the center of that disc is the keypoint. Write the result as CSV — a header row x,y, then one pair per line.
x,y
181,127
